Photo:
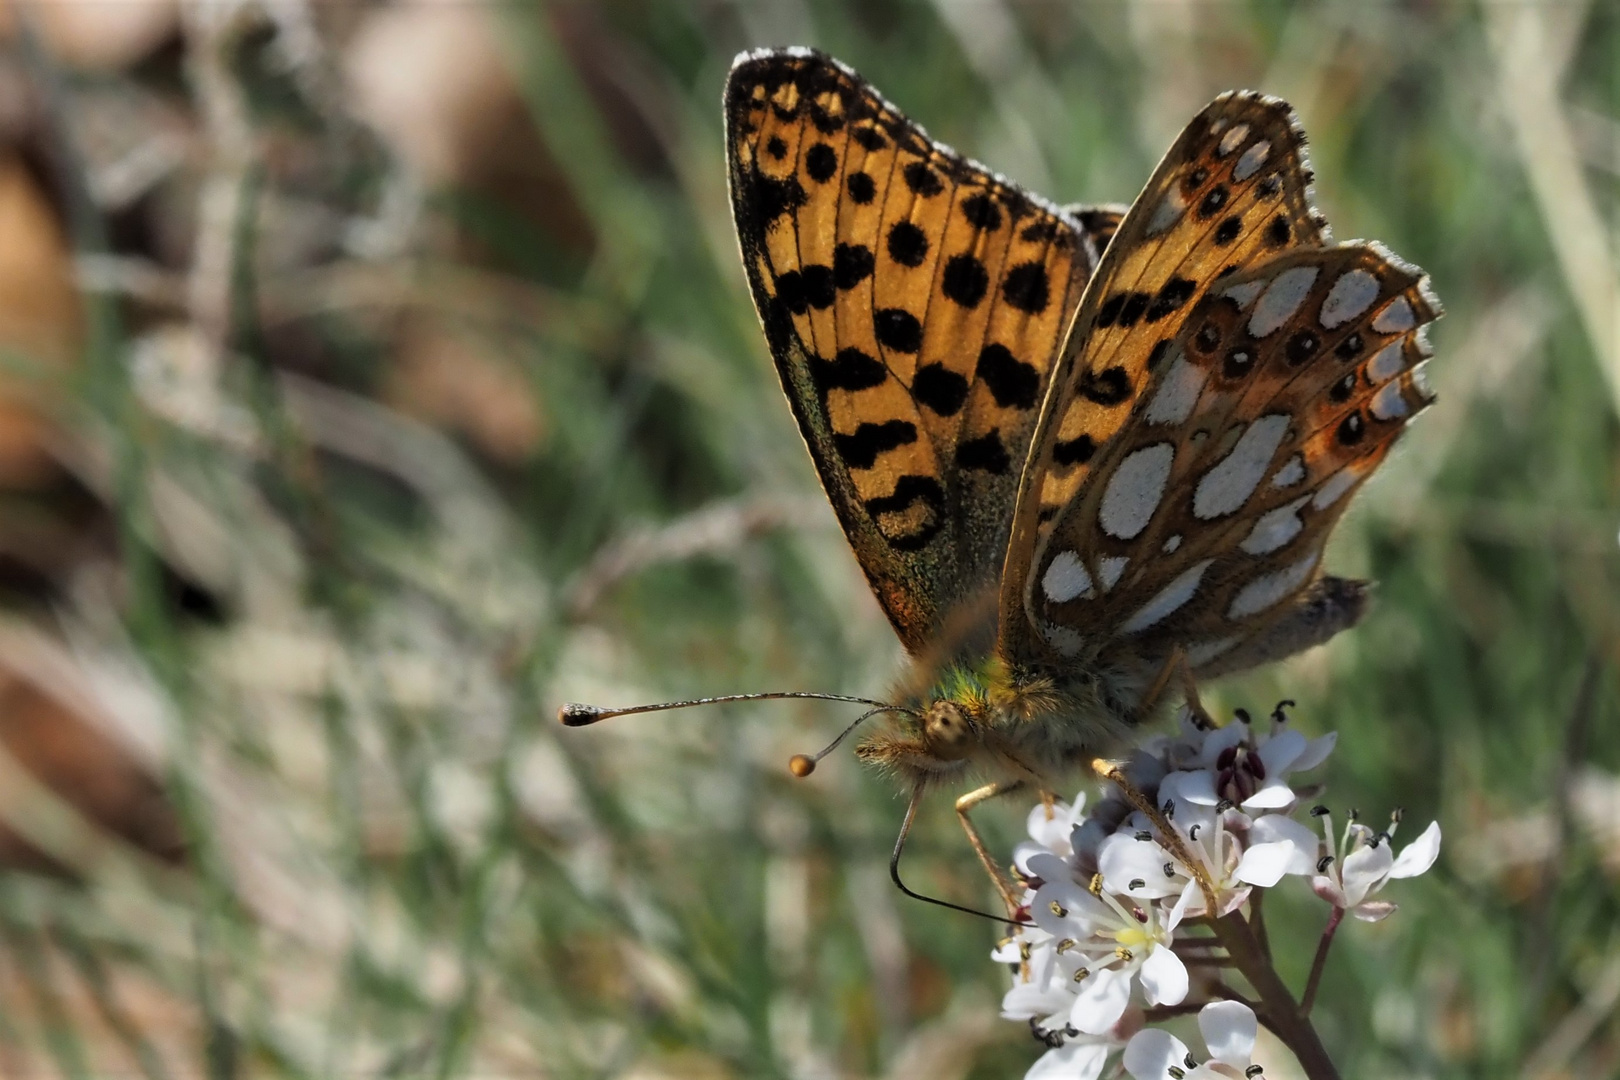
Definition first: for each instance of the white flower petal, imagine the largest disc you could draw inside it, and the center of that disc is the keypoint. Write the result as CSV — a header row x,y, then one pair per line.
x,y
1049,867
1265,864
1152,1053
1315,752
1057,906
1278,828
1229,1030
1363,871
1195,787
1124,861
1191,895
1164,977
1101,1001
1419,855
1374,910
1272,795
1029,1000
1074,1060
1279,752
1052,830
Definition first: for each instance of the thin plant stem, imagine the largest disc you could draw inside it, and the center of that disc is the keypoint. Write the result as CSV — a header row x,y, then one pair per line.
x,y
1282,1014
1257,920
1320,961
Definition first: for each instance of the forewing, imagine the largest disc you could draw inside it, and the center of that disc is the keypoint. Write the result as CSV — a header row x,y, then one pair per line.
x,y
1233,189
913,302
1284,389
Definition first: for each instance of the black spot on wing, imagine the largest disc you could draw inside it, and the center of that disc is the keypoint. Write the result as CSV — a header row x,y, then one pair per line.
x,y
910,490
1301,347
1212,203
775,147
861,450
852,264
965,280
898,329
851,369
1350,347
775,197
1076,451
1227,231
1110,386
790,291
821,162
1013,383
922,180
981,212
861,188
1025,287
870,138
818,285
1170,298
908,246
1279,231
986,453
939,388
1351,429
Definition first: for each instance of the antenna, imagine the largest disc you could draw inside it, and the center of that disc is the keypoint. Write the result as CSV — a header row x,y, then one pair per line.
x,y
575,714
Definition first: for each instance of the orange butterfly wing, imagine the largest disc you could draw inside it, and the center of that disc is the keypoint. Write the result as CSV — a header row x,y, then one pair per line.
x,y
913,302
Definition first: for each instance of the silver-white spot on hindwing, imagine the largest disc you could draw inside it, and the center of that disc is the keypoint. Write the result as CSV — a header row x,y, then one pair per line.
x,y
1244,292
1168,599
1134,491
1254,157
1066,578
1352,294
1228,485
1232,140
1170,208
1387,363
1177,393
1275,528
1171,544
1388,404
1109,569
1292,472
1268,589
1282,298
1336,485
1205,651
1397,318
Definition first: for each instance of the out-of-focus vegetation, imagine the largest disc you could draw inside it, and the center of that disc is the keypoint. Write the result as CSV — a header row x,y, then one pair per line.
x,y
378,375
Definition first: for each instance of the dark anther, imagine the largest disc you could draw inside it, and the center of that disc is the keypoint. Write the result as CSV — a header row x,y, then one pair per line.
x,y
1396,814
1319,811
1191,1063
1136,883
1192,833
1224,805
1253,1071
1177,1074
1278,714
1169,869
1144,835
1242,715
1323,863
1355,815
1168,810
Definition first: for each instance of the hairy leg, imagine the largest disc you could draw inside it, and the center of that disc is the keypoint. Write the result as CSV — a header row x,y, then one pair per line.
x,y
1009,893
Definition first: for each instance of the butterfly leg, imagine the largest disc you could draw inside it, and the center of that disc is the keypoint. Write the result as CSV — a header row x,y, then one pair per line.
x,y
1009,893
1176,667
900,847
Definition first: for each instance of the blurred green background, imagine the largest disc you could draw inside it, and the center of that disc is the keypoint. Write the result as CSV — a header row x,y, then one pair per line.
x,y
376,376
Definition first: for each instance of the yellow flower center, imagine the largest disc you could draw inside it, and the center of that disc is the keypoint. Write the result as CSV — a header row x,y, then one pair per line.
x,y
1133,937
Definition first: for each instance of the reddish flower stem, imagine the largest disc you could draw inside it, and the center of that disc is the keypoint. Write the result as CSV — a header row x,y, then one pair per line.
x,y
1282,1014
1321,960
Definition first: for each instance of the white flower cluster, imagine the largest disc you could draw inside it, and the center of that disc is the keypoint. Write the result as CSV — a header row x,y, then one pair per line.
x,y
1106,892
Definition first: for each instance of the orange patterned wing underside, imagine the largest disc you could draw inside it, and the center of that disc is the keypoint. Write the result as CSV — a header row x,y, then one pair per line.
x,y
913,302
1284,389
1234,189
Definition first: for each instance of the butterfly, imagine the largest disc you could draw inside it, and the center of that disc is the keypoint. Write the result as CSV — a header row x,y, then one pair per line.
x,y
1076,450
